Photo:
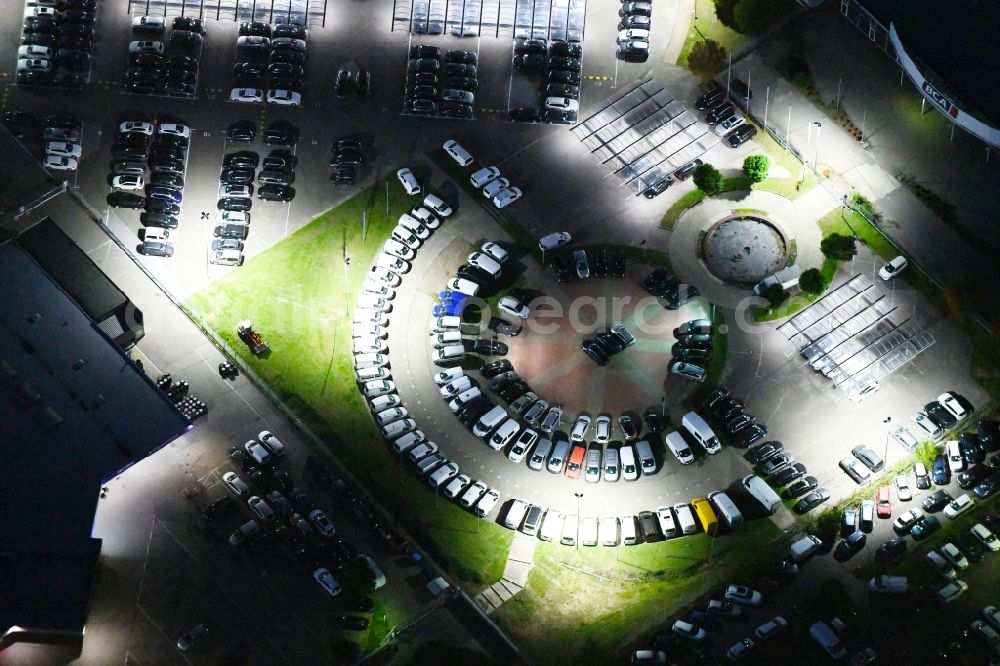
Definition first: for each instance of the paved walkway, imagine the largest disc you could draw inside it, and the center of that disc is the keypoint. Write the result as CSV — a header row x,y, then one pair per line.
x,y
515,574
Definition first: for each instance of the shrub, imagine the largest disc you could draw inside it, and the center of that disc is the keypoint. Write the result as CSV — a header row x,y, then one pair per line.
x,y
839,247
756,167
725,11
775,294
926,452
811,281
708,179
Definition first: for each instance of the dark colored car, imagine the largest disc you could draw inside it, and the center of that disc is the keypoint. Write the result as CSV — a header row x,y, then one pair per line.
x,y
973,476
422,92
218,507
236,176
610,342
525,114
536,46
421,79
787,475
250,69
599,263
655,421
594,352
162,220
658,187
891,549
494,368
233,204
710,99
850,546
940,472
279,159
167,166
489,347
719,112
971,547
425,51
738,423
563,76
343,175
530,61
423,65
243,159
344,84
741,135
454,109
937,500
287,55
159,206
811,501
870,459
514,390
564,268
988,486
183,62
504,327
696,341
275,177
924,527
363,83
800,487
125,200
351,622
179,89
241,131
190,24
988,431
172,141
274,136
685,171
563,90
275,193
255,29
421,107
968,446
463,57
129,153
630,425
563,64
241,459
939,415
758,454
566,50
161,152
727,408
775,464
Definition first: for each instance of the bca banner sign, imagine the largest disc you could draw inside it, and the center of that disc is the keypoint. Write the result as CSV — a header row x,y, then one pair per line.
x,y
938,98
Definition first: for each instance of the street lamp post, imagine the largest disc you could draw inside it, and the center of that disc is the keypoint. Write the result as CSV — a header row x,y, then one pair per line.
x,y
885,454
819,126
578,496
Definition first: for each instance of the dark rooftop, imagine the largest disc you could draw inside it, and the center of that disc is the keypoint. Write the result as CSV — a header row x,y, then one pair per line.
x,y
957,39
75,412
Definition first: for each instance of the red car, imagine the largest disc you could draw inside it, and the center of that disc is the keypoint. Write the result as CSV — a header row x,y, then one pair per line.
x,y
883,503
575,462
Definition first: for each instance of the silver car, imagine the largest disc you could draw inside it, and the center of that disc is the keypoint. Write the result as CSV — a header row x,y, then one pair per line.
x,y
535,412
592,467
551,421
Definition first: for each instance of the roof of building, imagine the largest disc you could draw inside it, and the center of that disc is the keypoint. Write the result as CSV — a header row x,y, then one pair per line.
x,y
76,412
956,39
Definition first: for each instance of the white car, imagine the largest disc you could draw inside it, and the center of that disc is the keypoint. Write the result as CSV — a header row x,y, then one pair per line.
x,y
893,268
472,494
514,307
425,217
692,632
258,452
59,163
233,217
486,503
958,506
274,445
152,23
327,581
437,204
928,427
379,274
453,388
34,65
397,249
246,95
407,221
494,187
903,436
507,197
741,594
135,126
127,182
283,97
63,149
580,428
456,486
951,402
562,103
496,251
409,181
952,591
34,51
387,416
602,434
729,123
985,537
553,241
174,129
903,492
906,520
633,34
447,376
236,484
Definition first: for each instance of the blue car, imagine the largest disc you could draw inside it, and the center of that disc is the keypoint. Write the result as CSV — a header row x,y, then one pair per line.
x,y
451,308
940,472
165,194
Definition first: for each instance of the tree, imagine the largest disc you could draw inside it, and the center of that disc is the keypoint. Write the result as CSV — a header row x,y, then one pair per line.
x,y
775,294
755,16
706,58
708,179
811,281
926,452
756,167
838,246
725,12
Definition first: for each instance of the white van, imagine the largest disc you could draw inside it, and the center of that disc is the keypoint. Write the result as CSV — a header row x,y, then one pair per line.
x,y
398,428
646,460
484,262
823,634
609,531
630,535
488,421
447,338
457,153
762,492
376,572
630,472
568,537
588,531
463,399
484,176
442,324
685,518
448,355
697,428
726,510
804,548
551,525
675,442
515,514
411,223
463,286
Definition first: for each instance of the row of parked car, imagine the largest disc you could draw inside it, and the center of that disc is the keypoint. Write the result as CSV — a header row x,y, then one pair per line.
x,y
693,350
62,136
561,67
458,94
57,43
160,149
603,346
345,161
582,264
151,71
634,30
278,52
728,122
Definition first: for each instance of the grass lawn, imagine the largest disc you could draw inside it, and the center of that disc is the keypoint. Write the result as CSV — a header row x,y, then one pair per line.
x,y
695,197
790,186
300,294
597,604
